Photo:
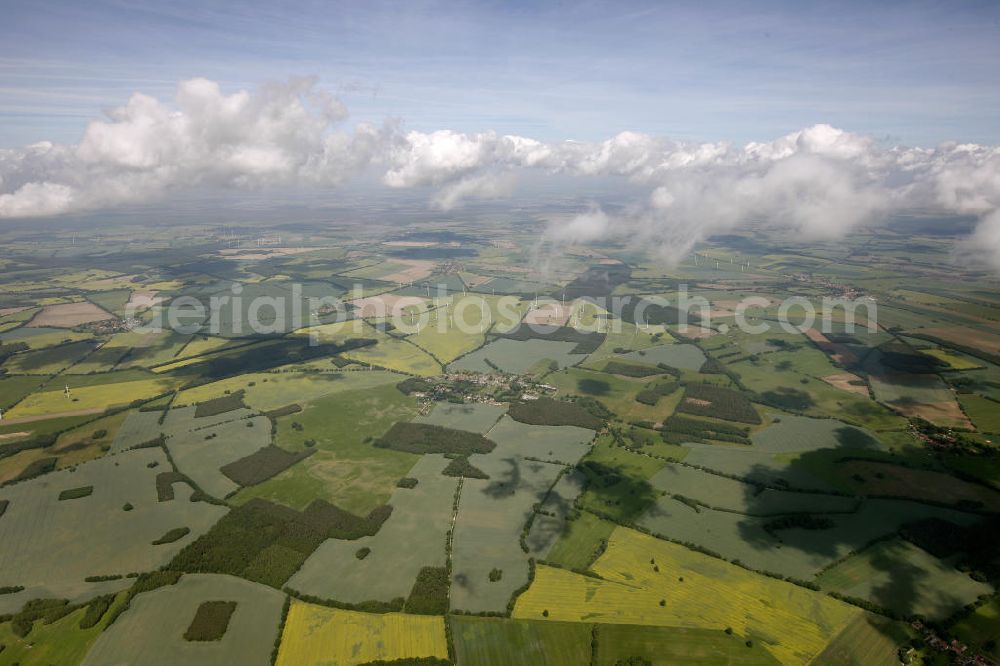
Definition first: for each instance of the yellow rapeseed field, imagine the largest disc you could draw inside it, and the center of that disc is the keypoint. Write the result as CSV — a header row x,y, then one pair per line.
x,y
90,397
639,572
332,637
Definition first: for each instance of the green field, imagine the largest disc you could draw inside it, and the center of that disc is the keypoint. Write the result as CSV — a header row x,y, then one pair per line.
x,y
271,390
94,397
617,393
397,355
868,639
501,641
682,357
61,642
674,645
13,389
580,542
626,492
931,588
420,518
505,494
981,628
793,380
346,470
517,356
985,413
50,360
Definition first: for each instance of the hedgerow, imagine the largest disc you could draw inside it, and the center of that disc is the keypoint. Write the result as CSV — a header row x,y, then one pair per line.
x,y
173,535
686,429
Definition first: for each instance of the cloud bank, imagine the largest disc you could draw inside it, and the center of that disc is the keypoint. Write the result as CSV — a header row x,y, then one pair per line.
x,y
819,182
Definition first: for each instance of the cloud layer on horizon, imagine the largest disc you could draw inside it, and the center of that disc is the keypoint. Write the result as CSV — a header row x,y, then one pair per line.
x,y
819,182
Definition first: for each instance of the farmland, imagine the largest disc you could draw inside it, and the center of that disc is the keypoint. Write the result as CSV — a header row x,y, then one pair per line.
x,y
420,518
494,641
319,635
152,630
523,491
865,576
668,645
48,557
62,641
638,572
345,470
517,356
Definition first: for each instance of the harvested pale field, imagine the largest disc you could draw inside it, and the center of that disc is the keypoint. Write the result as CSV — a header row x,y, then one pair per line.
x,y
491,516
141,300
68,315
152,630
843,381
493,512
201,453
410,243
472,280
727,494
9,311
517,356
696,332
45,549
320,636
549,314
966,337
473,417
260,254
947,414
842,354
44,417
386,305
419,269
923,395
799,553
413,537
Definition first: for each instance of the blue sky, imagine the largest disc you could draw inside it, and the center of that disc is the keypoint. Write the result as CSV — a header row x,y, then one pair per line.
x,y
912,73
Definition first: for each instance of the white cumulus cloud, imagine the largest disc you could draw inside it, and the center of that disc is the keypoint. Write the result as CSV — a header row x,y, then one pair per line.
x,y
818,182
